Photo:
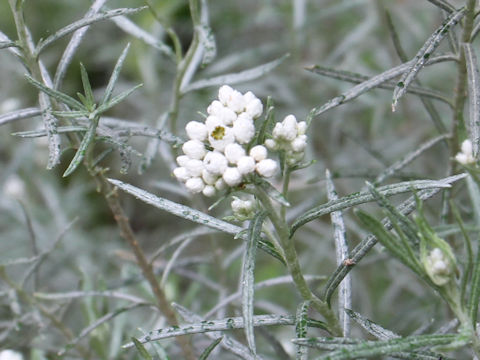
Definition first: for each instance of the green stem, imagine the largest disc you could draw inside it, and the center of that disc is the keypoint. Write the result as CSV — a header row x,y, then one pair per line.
x,y
458,123
293,265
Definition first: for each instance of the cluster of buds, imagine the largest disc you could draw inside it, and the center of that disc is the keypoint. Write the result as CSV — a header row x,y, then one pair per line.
x,y
243,209
216,155
438,266
289,136
465,157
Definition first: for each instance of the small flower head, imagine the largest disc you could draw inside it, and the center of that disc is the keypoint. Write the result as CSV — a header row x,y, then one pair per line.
x,y
465,157
196,130
289,136
195,184
258,152
438,267
232,176
267,168
246,165
215,162
194,149
243,209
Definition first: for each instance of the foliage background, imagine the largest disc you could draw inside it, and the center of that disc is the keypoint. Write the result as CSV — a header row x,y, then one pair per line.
x,y
355,142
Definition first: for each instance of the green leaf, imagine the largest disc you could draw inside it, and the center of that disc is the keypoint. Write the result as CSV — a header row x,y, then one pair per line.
x,y
114,77
87,140
210,348
301,328
424,54
141,349
191,214
200,326
207,39
67,100
248,277
117,99
272,192
235,78
363,197
474,96
387,239
381,348
82,23
87,88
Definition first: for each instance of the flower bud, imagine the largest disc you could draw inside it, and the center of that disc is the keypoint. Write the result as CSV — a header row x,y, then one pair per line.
x,y
181,174
232,176
196,130
258,152
194,149
438,267
246,165
195,185
244,129
233,152
215,163
266,168
209,191
224,94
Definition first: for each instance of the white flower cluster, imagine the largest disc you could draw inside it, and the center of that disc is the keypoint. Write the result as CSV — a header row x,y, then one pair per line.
x,y
466,156
289,135
227,129
243,209
438,267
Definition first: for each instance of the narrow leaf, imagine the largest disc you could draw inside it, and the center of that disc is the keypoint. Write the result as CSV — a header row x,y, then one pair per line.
x,y
371,83
443,4
117,99
114,77
50,124
82,23
341,252
235,78
141,349
363,197
248,277
474,96
388,240
207,39
374,329
40,133
190,214
87,88
301,328
19,115
67,100
400,164
134,30
199,326
210,348
272,192
381,348
473,300
424,54
387,85
87,140
7,44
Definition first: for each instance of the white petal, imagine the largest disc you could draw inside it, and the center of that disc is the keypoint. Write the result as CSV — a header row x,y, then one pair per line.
x,y
236,102
224,94
194,149
182,160
208,177
258,152
220,137
254,108
233,152
181,174
213,122
215,107
209,191
267,167
195,185
196,130
215,163
244,130
195,167
232,176
246,165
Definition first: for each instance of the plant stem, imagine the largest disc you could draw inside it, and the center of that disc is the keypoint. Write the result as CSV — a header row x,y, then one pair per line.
x,y
293,265
111,196
458,123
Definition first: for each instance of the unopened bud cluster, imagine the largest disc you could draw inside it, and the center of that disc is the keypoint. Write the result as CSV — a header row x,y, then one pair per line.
x,y
243,209
227,130
465,157
438,267
289,136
